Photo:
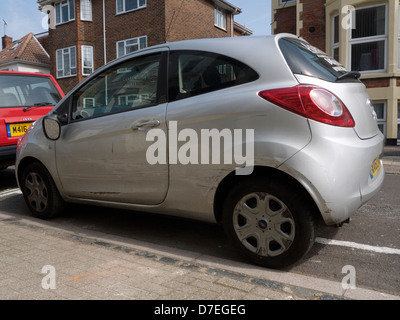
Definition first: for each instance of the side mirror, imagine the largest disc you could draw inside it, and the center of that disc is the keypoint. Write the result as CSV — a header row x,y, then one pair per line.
x,y
51,128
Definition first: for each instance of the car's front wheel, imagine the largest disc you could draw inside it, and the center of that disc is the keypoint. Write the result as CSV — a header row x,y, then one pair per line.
x,y
40,192
269,222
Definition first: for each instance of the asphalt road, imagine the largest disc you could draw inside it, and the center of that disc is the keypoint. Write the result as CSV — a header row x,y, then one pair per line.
x,y
370,242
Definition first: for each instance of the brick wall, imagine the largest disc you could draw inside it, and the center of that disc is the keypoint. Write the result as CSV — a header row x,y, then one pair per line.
x,y
376,83
285,20
192,19
44,42
62,37
6,41
148,22
313,17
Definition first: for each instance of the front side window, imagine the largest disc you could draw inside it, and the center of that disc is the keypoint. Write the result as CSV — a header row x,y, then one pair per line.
x,y
65,11
125,47
129,5
193,73
368,39
87,60
66,62
220,18
127,86
86,10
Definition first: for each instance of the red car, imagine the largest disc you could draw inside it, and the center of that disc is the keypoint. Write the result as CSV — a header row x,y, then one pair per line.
x,y
24,98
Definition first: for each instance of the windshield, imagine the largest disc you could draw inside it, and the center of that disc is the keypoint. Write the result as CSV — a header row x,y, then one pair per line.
x,y
306,59
27,91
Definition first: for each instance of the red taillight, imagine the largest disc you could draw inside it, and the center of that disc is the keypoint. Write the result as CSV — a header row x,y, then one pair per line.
x,y
312,102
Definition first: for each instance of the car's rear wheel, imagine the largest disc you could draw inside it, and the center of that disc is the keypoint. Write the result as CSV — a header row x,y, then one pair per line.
x,y
40,192
268,222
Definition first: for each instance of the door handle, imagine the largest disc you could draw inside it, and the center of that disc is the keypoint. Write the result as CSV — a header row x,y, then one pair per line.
x,y
145,125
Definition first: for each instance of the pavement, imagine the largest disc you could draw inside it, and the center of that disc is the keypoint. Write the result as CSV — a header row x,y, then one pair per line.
x,y
391,159
40,261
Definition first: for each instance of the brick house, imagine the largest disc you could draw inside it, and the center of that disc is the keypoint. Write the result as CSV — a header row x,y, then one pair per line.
x,y
90,33
26,54
364,35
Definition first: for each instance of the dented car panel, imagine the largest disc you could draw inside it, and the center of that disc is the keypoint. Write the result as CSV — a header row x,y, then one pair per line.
x,y
262,134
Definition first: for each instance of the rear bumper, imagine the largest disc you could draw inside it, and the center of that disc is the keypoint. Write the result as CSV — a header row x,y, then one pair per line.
x,y
335,168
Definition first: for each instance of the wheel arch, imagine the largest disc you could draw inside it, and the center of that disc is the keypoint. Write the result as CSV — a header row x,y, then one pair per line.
x,y
261,172
23,164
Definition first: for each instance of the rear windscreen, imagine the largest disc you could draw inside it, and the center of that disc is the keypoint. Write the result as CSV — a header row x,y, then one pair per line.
x,y
26,90
308,60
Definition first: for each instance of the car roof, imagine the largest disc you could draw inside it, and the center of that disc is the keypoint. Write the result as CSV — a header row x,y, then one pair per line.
x,y
25,73
249,49
227,45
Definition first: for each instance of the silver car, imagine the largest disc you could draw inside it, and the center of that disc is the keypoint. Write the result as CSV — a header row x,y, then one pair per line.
x,y
266,135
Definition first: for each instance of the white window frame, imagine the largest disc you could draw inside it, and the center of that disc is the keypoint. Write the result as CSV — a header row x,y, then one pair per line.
x,y
220,18
284,2
371,39
90,56
66,54
138,43
89,102
71,11
86,10
382,121
335,45
124,6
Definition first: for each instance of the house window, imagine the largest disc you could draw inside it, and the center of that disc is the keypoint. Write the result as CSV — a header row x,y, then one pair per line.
x,y
129,5
66,62
87,60
368,39
335,37
65,11
131,45
380,109
220,18
86,10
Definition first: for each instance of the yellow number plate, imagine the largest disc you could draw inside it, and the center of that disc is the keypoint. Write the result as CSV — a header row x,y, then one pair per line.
x,y
376,166
17,129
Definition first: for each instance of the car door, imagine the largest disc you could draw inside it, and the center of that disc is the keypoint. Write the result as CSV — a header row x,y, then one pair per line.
x,y
101,154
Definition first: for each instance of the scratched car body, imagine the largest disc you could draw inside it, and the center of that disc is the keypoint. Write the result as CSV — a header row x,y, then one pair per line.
x,y
24,98
316,145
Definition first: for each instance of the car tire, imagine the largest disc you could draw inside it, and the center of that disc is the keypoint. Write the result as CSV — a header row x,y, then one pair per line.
x,y
268,222
40,192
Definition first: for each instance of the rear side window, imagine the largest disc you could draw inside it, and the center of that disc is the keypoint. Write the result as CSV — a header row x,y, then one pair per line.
x,y
195,72
26,90
306,59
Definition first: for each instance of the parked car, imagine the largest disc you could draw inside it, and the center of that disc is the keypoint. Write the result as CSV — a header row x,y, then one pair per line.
x,y
265,134
24,98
